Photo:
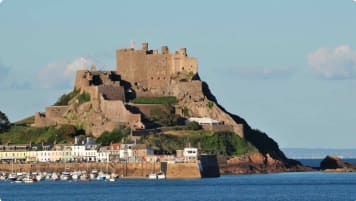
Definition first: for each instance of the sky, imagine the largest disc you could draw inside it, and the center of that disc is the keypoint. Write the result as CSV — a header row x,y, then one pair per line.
x,y
287,67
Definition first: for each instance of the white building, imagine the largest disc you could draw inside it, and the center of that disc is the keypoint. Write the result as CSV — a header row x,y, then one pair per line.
x,y
204,121
102,156
126,151
44,156
190,154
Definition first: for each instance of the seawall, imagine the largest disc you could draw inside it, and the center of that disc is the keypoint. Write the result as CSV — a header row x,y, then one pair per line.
x,y
172,171
181,170
208,167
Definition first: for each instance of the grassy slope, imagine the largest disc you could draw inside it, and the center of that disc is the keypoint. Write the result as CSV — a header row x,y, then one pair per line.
x,y
223,143
26,135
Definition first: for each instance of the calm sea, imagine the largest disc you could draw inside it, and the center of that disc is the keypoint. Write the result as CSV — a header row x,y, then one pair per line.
x,y
308,186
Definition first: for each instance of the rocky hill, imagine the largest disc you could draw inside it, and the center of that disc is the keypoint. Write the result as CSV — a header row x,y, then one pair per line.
x,y
149,84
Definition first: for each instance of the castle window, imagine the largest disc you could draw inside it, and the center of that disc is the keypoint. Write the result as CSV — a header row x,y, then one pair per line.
x,y
151,78
158,78
183,68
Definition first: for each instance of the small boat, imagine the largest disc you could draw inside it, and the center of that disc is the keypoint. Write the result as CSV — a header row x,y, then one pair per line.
x,y
93,175
65,176
101,176
112,180
12,177
48,176
19,179
40,177
152,176
28,179
76,175
84,177
161,175
54,176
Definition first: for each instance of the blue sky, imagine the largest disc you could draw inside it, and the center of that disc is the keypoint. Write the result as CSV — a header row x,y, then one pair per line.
x,y
287,67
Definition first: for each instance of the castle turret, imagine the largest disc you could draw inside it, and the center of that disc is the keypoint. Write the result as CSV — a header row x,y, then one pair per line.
x,y
182,51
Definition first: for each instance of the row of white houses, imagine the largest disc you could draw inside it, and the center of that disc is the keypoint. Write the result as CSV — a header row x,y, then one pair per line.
x,y
90,153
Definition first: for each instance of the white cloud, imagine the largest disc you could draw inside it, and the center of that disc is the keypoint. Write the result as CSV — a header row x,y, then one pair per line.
x,y
337,63
61,75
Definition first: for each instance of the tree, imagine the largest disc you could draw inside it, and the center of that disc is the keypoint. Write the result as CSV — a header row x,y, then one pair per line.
x,y
4,122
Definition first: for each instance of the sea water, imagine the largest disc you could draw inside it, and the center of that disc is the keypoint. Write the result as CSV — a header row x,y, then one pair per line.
x,y
308,186
315,162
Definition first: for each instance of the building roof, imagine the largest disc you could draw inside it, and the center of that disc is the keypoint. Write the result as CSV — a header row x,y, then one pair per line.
x,y
204,120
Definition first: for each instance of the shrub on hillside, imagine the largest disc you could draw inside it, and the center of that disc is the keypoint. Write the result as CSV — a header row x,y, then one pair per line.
x,y
164,117
65,98
116,135
83,97
26,135
193,126
155,100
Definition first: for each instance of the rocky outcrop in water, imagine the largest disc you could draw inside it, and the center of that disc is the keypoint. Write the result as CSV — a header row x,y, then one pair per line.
x,y
259,163
336,164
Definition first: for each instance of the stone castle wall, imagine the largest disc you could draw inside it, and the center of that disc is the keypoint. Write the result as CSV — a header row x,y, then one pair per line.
x,y
52,117
117,112
149,72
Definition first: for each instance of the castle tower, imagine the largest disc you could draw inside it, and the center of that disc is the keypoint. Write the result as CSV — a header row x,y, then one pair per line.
x,y
151,73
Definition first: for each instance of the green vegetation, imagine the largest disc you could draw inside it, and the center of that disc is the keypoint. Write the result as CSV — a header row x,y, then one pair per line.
x,y
155,100
114,136
4,122
164,143
222,143
185,112
210,105
193,126
164,117
65,98
83,97
26,135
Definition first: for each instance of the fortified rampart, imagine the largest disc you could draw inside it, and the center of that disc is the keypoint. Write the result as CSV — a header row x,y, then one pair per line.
x,y
52,116
104,111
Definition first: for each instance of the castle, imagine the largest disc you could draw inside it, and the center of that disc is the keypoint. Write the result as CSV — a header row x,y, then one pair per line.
x,y
151,73
139,73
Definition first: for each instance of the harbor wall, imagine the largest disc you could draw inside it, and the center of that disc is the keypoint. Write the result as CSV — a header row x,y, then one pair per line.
x,y
181,170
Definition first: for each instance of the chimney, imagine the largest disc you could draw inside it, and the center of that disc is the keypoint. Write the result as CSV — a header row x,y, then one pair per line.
x,y
76,140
